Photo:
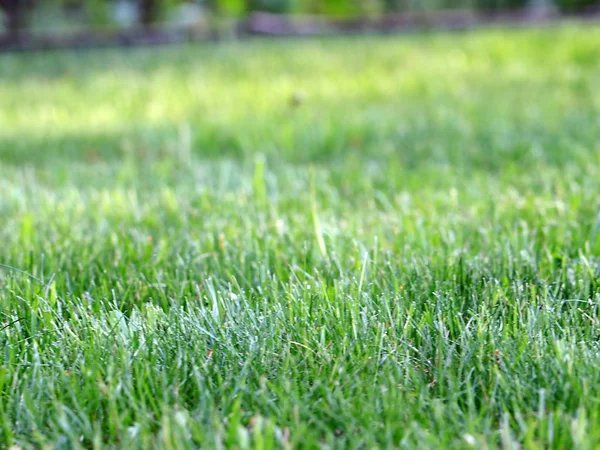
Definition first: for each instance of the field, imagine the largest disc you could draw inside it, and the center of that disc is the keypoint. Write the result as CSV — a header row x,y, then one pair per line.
x,y
373,242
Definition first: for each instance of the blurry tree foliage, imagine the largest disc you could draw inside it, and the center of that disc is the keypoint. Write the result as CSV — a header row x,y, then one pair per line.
x,y
93,13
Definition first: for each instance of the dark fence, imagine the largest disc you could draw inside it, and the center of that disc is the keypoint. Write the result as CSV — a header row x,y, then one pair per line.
x,y
52,23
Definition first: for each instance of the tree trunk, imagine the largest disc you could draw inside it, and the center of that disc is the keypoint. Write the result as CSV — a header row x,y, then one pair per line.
x,y
148,12
15,14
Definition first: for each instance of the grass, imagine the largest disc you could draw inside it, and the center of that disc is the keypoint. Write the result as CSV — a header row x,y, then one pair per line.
x,y
342,243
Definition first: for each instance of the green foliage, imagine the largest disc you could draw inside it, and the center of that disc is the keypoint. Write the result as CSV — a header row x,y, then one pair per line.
x,y
500,5
230,7
395,5
382,242
576,5
338,7
273,6
98,12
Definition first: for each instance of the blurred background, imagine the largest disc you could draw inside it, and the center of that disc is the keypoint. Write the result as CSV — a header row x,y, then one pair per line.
x,y
31,23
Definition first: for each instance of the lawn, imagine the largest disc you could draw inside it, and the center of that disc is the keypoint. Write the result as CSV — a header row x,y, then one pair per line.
x,y
369,242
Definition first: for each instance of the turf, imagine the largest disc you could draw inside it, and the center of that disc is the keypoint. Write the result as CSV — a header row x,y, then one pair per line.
x,y
374,242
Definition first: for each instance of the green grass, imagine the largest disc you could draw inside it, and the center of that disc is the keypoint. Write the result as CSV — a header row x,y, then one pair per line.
x,y
409,257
